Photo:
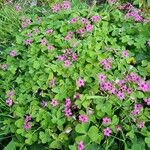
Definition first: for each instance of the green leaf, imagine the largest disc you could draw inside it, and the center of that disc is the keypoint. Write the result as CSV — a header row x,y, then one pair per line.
x,y
147,141
44,136
94,135
82,128
115,120
10,146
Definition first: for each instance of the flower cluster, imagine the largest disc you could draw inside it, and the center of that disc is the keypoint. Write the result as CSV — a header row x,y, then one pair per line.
x,y
68,111
68,57
106,63
25,22
61,6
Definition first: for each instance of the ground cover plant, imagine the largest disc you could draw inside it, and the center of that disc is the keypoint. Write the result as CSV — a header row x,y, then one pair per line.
x,y
77,77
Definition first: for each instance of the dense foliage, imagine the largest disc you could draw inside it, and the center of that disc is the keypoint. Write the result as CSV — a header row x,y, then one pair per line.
x,y
77,77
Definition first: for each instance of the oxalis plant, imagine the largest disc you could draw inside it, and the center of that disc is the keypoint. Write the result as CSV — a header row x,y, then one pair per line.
x,y
66,83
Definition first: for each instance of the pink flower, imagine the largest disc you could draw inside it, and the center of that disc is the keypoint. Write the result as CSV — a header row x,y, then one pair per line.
x,y
56,8
67,63
120,95
81,31
27,118
13,53
118,127
95,18
125,53
143,86
76,96
36,30
67,102
52,82
23,24
101,77
49,31
74,57
50,47
67,38
73,20
147,101
43,42
54,102
135,15
27,122
66,5
140,124
28,21
107,132
27,126
9,102
129,90
80,146
106,120
28,41
80,82
123,88
89,27
83,118
18,8
138,106
83,20
126,6
4,66
68,112
10,93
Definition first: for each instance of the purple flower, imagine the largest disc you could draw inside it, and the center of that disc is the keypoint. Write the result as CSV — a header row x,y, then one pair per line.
x,y
83,118
89,27
80,82
125,53
9,102
4,66
43,42
141,124
118,127
106,120
49,31
54,102
80,145
52,82
95,18
13,53
18,8
107,132
50,47
66,5
67,63
120,95
101,77
73,20
27,126
28,41
56,8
